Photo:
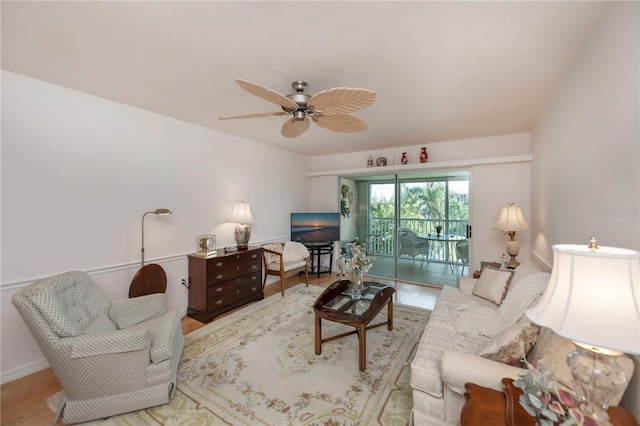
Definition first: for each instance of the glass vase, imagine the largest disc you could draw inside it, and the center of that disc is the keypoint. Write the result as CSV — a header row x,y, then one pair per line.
x,y
357,284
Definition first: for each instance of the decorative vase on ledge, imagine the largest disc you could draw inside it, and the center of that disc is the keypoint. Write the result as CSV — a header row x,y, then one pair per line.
x,y
424,155
357,284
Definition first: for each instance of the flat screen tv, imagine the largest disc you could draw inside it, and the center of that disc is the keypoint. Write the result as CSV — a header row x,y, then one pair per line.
x,y
315,227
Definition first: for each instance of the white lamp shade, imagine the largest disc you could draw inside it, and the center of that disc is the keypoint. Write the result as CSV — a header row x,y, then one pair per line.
x,y
593,298
511,219
241,213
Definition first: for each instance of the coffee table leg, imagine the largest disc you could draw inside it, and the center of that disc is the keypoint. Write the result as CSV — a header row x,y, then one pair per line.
x,y
318,335
390,315
362,337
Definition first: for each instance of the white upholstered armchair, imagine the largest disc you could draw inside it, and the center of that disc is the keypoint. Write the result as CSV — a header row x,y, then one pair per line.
x,y
110,357
283,259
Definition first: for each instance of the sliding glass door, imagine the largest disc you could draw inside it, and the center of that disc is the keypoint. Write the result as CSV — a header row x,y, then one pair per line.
x,y
413,224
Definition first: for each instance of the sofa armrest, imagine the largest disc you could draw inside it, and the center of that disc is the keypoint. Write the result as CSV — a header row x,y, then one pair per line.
x,y
466,284
459,368
127,312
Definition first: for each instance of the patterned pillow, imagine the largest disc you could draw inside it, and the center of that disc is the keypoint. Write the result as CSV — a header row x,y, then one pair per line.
x,y
510,345
493,285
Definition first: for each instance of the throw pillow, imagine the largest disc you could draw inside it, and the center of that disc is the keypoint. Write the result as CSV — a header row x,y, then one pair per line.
x,y
512,344
493,285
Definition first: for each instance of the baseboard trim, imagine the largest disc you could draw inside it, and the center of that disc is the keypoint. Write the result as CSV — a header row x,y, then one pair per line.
x,y
23,370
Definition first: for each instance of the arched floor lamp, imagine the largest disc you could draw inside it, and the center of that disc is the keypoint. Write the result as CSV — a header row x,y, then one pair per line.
x,y
158,212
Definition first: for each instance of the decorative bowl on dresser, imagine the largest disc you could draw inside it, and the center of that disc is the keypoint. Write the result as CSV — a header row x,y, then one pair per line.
x,y
224,282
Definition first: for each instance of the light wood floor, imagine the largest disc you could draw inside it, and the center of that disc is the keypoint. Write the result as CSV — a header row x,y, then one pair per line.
x,y
24,400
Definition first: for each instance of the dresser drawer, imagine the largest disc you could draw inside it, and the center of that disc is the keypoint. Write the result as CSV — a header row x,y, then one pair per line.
x,y
238,294
217,276
232,261
218,290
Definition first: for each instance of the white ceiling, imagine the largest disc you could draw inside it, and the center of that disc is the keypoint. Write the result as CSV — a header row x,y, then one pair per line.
x,y
441,70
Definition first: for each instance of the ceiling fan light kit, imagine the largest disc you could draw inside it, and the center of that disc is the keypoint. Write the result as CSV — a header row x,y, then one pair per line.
x,y
329,109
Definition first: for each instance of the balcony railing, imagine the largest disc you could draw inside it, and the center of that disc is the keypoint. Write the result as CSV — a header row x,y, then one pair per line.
x,y
381,241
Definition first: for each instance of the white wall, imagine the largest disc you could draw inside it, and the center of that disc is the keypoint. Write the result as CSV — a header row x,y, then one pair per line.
x,y
492,185
79,171
494,146
585,177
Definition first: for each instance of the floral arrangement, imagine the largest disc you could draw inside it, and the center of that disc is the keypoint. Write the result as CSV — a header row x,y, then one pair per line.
x,y
549,401
359,261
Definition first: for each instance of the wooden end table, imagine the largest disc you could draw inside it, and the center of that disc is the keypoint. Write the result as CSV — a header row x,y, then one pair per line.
x,y
484,406
335,304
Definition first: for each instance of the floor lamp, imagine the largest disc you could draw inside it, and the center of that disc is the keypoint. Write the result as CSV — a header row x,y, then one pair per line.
x,y
158,212
593,299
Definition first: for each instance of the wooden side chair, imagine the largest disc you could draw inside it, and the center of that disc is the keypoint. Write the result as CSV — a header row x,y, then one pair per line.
x,y
283,259
150,279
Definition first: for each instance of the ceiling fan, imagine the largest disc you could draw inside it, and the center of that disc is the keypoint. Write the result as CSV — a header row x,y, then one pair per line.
x,y
328,109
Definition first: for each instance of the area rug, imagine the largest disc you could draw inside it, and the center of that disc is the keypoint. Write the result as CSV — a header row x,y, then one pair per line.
x,y
257,366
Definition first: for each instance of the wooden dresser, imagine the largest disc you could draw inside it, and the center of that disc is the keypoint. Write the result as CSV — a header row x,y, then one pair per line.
x,y
224,282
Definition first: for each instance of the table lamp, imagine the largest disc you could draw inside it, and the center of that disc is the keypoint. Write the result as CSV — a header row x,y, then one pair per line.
x,y
511,221
242,216
593,299
158,212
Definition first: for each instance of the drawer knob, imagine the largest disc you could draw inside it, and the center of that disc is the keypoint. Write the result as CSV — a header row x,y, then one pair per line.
x,y
219,276
237,291
218,289
237,268
219,302
219,263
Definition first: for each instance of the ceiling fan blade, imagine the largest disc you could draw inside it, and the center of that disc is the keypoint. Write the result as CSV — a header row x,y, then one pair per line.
x,y
341,100
256,115
267,94
294,128
343,123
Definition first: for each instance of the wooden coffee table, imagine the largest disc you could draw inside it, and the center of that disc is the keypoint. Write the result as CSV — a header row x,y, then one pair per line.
x,y
335,304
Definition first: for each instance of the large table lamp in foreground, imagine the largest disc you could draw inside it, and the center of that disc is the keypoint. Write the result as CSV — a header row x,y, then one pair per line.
x,y
511,221
158,212
593,299
242,216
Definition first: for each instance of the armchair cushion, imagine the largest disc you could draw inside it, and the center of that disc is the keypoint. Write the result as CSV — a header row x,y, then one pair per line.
x,y
99,325
127,312
69,303
493,285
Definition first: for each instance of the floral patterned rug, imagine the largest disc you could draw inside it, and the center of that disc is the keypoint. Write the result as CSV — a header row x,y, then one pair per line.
x,y
257,366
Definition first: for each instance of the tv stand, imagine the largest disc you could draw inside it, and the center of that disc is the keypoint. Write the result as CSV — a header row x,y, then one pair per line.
x,y
317,250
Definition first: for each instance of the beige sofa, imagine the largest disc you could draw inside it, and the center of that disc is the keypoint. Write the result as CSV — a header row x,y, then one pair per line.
x,y
464,325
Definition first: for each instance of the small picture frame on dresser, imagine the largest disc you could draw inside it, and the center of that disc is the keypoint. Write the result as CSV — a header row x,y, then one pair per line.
x,y
206,246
